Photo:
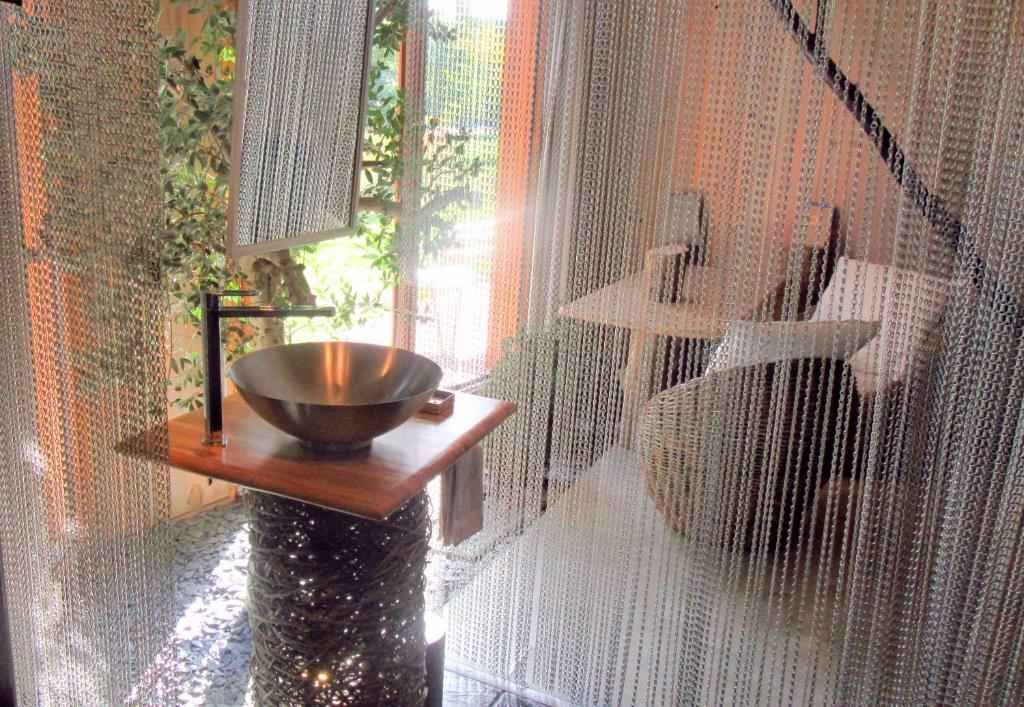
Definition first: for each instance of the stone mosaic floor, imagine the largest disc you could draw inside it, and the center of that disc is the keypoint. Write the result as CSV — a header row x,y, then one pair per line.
x,y
211,643
212,638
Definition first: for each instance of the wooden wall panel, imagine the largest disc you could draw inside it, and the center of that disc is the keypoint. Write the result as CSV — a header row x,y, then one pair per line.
x,y
812,134
742,147
516,186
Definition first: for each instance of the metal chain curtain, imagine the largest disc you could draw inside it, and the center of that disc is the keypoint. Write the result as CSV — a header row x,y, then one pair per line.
x,y
840,527
447,66
84,557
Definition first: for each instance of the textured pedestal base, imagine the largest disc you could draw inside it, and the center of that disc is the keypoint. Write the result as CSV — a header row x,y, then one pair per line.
x,y
336,604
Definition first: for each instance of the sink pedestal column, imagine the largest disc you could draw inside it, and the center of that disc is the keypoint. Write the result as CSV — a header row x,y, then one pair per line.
x,y
336,604
336,600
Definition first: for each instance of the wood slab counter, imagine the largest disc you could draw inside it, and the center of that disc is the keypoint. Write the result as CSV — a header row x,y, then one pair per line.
x,y
373,484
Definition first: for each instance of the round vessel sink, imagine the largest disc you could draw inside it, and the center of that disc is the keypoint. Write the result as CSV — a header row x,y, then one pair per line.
x,y
335,396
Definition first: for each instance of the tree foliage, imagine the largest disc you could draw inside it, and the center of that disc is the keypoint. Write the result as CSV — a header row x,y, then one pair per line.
x,y
196,107
196,101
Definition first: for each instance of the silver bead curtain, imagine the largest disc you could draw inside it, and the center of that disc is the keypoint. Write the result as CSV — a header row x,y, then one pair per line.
x,y
778,461
770,432
85,497
299,115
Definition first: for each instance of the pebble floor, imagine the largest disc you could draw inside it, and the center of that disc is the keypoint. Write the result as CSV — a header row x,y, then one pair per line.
x,y
212,642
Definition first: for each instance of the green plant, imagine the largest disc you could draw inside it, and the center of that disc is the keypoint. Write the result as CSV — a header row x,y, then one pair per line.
x,y
196,105
527,350
441,163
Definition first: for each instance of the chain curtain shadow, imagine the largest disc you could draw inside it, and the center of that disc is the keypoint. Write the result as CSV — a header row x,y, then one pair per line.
x,y
84,556
842,529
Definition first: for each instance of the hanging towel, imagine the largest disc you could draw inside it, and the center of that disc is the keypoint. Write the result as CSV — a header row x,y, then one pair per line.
x,y
462,497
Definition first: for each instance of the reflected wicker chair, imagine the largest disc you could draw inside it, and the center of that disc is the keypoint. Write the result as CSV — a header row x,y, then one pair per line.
x,y
795,420
685,432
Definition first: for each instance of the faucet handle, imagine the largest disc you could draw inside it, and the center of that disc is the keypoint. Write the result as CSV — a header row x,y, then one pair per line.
x,y
232,293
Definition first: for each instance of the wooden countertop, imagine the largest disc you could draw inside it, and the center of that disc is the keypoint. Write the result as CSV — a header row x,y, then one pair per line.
x,y
373,485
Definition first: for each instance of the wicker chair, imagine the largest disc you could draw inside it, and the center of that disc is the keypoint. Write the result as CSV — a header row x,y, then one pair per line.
x,y
689,437
685,433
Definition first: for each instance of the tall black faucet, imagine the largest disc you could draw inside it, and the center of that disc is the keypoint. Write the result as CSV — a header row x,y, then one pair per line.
x,y
213,374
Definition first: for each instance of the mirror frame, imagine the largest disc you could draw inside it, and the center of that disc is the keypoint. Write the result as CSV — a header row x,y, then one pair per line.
x,y
232,247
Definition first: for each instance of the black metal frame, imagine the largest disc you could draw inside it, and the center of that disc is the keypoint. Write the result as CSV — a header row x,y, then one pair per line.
x,y
812,45
7,693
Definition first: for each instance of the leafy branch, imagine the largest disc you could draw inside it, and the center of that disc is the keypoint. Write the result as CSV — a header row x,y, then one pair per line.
x,y
196,102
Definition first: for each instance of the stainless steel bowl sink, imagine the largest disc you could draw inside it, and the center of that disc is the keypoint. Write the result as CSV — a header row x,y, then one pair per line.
x,y
335,396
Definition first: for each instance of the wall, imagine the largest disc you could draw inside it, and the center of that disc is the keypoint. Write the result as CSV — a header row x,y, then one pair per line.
x,y
750,90
174,16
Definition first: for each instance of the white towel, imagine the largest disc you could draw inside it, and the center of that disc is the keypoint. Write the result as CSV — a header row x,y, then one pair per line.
x,y
462,497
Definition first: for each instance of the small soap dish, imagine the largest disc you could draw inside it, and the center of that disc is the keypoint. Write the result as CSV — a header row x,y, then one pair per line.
x,y
440,404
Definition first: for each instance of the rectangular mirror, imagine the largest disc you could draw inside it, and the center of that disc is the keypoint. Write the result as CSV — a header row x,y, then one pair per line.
x,y
300,97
